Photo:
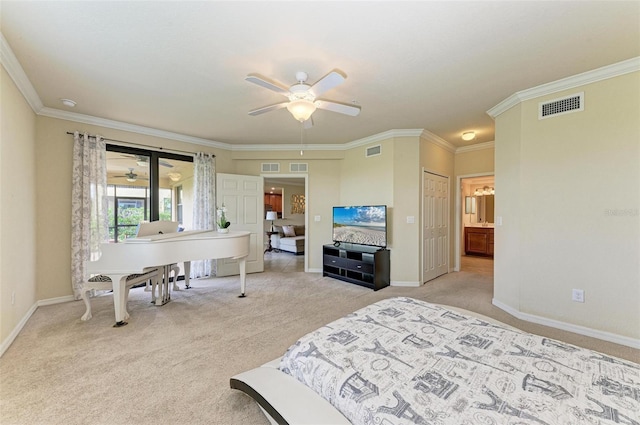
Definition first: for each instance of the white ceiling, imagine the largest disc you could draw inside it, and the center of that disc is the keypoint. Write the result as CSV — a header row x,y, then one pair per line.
x,y
180,66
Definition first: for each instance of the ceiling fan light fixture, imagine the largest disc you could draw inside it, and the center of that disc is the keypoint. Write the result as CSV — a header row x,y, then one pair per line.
x,y
174,176
468,135
301,109
131,179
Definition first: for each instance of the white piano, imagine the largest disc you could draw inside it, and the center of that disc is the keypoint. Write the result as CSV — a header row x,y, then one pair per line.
x,y
118,260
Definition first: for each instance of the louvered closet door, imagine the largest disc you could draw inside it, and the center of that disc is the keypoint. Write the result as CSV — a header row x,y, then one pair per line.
x,y
435,220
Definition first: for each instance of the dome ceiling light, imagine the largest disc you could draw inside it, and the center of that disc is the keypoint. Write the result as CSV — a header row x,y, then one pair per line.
x,y
468,135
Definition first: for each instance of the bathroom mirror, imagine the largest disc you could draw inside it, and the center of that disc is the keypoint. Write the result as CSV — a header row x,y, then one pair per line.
x,y
485,208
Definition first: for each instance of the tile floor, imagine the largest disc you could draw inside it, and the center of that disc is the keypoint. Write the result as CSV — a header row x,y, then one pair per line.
x,y
283,262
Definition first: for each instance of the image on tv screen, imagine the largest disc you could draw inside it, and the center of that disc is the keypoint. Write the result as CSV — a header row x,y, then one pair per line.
x,y
360,225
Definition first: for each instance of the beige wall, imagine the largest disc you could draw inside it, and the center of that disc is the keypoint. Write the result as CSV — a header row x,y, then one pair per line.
x,y
367,180
53,191
406,246
287,192
477,161
506,266
568,190
18,206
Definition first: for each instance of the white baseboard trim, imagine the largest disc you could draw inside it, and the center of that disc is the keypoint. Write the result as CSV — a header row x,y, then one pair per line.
x,y
16,331
581,330
57,300
409,284
315,270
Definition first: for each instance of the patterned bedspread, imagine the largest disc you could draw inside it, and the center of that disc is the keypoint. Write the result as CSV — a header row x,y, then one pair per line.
x,y
402,361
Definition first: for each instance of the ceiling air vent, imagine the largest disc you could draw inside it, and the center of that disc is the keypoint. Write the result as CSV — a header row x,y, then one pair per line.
x,y
373,151
565,105
270,167
298,167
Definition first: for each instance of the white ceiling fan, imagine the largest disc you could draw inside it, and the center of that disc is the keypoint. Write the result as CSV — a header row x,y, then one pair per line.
x,y
303,98
143,161
131,176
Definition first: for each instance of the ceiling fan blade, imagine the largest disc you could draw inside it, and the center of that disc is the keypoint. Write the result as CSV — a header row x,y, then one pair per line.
x,y
165,164
341,108
308,123
268,84
268,108
329,81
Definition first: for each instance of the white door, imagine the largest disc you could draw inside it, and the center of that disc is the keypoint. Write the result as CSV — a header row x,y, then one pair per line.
x,y
435,219
243,197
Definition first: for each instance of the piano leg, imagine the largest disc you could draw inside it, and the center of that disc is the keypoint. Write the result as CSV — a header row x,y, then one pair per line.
x,y
118,281
176,272
187,274
167,276
163,286
242,262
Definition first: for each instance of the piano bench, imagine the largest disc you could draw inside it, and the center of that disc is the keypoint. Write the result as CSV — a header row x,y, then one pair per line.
x,y
102,283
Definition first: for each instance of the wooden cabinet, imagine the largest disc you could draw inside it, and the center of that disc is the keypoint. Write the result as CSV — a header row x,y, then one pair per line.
x,y
478,241
273,203
362,265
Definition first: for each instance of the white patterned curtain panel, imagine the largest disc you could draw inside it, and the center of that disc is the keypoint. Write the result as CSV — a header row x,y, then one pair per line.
x,y
89,203
204,206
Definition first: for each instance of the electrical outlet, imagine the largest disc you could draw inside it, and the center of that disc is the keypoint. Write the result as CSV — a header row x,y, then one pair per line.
x,y
577,295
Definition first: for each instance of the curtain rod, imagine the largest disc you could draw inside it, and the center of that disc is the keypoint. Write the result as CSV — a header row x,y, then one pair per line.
x,y
142,145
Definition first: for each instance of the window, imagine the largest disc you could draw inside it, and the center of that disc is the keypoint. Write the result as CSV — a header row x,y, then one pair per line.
x,y
141,187
179,205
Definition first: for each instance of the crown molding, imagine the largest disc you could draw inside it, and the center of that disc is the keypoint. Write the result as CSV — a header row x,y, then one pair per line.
x,y
476,147
283,147
376,138
132,128
438,141
14,69
599,74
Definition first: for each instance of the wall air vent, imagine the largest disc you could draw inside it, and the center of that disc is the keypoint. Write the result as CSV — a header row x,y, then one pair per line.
x,y
298,167
373,151
270,167
565,105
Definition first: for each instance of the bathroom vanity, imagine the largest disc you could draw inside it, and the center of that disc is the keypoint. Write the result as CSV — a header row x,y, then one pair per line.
x,y
478,240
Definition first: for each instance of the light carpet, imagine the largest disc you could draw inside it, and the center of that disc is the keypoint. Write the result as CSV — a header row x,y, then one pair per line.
x,y
172,364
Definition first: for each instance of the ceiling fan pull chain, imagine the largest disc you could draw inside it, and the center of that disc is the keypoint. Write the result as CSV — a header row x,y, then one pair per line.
x,y
301,136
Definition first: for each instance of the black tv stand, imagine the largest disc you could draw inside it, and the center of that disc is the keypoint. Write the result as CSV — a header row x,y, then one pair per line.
x,y
358,264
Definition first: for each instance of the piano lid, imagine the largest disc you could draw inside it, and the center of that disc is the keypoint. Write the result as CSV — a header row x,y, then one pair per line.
x,y
187,234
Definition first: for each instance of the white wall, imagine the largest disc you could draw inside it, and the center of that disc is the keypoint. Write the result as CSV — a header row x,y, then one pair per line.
x,y
568,190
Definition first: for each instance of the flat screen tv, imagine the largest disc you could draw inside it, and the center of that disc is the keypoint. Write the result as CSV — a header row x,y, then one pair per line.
x,y
362,225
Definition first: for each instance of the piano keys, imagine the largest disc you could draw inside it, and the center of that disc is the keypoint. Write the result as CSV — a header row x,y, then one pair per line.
x,y
117,261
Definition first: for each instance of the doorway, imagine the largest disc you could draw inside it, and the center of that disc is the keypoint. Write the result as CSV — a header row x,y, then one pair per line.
x,y
290,190
475,218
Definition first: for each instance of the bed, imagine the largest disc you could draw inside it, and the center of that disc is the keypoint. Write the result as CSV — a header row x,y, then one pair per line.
x,y
406,361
